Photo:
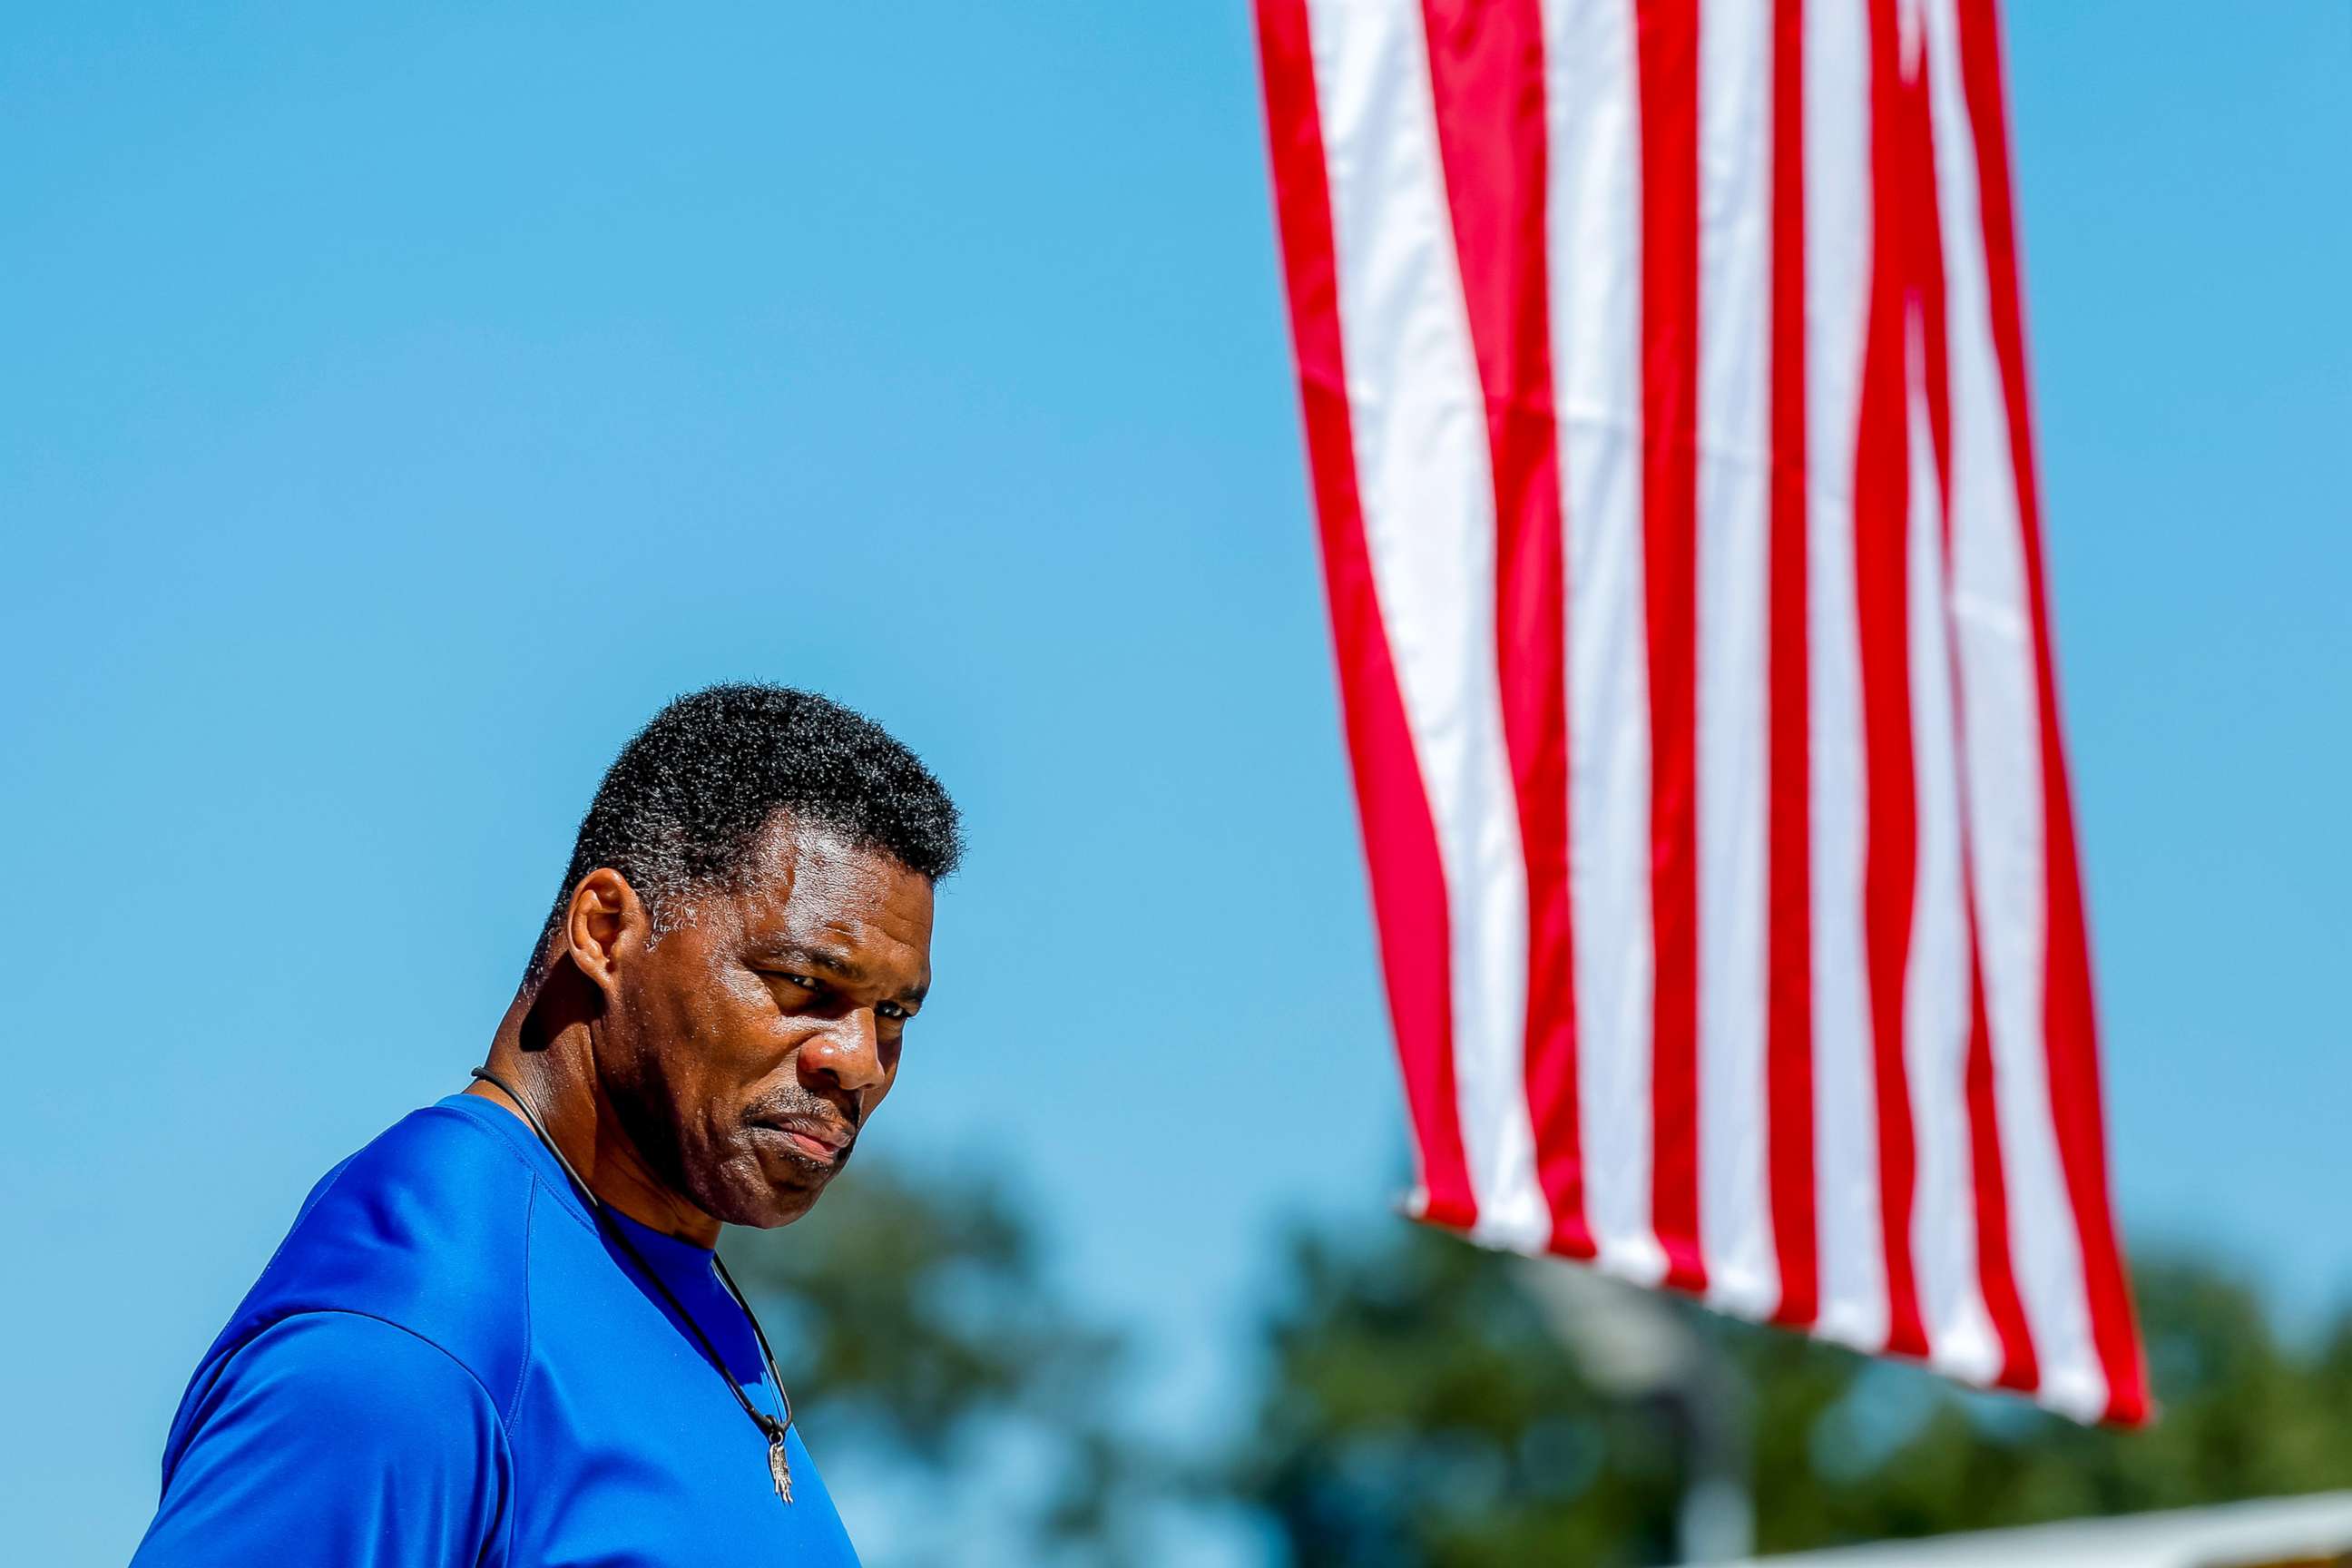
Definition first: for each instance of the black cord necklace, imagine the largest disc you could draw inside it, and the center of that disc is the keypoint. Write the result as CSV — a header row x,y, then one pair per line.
x,y
779,1469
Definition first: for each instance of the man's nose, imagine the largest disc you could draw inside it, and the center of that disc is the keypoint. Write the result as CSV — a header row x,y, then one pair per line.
x,y
847,1053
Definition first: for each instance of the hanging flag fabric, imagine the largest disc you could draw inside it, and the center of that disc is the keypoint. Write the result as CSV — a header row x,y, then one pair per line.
x,y
1664,385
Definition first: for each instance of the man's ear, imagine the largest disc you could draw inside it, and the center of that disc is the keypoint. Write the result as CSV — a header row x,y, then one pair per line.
x,y
606,925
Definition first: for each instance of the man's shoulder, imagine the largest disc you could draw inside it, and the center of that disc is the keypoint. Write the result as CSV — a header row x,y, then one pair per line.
x,y
442,1159
427,1228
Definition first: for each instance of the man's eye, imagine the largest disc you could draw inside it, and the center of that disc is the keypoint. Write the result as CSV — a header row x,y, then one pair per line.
x,y
890,1010
802,981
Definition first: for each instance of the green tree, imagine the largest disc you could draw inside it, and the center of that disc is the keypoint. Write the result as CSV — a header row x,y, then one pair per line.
x,y
1421,1408
2244,1414
919,1331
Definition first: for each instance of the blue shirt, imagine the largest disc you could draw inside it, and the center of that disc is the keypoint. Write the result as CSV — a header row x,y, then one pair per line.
x,y
448,1364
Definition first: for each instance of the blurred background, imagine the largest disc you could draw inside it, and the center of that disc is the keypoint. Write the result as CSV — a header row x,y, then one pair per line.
x,y
400,406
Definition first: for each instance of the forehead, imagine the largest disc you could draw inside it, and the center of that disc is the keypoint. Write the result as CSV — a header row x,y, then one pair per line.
x,y
803,884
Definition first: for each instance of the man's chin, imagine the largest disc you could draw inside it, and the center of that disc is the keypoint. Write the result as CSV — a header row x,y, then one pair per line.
x,y
781,1209
756,1199
770,1205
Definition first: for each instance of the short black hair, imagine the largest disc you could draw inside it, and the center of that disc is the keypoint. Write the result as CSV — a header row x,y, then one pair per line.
x,y
680,808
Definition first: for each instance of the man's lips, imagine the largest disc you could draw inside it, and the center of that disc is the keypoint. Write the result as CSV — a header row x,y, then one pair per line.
x,y
823,1141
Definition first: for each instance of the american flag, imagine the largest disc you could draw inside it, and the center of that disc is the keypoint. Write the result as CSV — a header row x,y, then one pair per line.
x,y
1664,384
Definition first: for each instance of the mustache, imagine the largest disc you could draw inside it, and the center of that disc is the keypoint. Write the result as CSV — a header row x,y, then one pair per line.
x,y
805,1106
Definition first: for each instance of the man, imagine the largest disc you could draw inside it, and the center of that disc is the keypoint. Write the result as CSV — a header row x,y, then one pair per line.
x,y
498,1333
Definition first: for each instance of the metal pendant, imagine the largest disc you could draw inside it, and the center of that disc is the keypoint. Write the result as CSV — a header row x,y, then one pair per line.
x,y
779,1468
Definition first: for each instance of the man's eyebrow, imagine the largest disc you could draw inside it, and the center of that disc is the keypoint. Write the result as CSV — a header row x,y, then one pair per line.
x,y
839,966
812,957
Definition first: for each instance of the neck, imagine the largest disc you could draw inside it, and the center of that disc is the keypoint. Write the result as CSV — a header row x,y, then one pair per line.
x,y
556,1069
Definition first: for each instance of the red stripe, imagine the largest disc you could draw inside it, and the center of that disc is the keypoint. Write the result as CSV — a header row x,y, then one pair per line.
x,y
2070,1027
1486,68
1882,507
1788,1019
1996,1272
1666,47
1400,836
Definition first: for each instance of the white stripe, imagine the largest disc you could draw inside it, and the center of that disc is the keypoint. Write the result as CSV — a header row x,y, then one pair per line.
x,y
1734,474
1935,1007
1837,290
1425,477
1594,242
1999,696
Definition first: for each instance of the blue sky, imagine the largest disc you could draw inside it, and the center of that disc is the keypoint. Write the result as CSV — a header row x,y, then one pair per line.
x,y
400,407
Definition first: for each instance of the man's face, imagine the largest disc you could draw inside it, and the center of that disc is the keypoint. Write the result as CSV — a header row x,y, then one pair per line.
x,y
745,1049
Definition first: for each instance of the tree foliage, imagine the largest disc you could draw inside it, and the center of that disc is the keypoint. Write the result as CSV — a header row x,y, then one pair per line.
x,y
919,1331
1421,1408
